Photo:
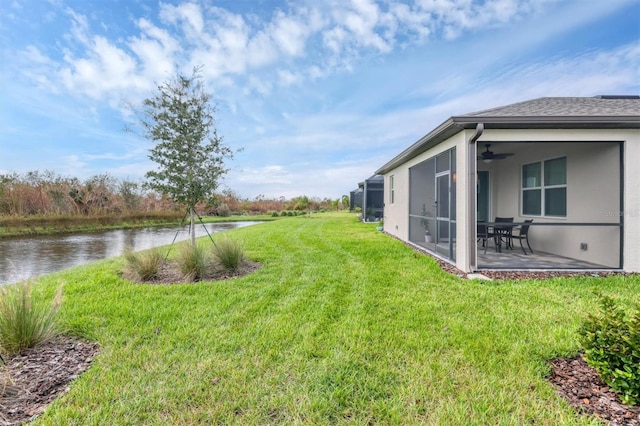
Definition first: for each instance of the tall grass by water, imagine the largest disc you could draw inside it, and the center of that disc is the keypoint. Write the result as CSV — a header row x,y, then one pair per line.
x,y
342,325
26,321
229,253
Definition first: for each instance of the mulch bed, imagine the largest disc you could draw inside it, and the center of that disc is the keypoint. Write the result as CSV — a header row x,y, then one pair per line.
x,y
169,274
35,377
581,386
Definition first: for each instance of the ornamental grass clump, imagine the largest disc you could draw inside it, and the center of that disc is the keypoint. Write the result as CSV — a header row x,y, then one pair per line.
x,y
193,262
229,253
144,265
611,341
25,321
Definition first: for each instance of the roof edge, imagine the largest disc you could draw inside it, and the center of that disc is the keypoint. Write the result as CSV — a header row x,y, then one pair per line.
x,y
456,124
432,138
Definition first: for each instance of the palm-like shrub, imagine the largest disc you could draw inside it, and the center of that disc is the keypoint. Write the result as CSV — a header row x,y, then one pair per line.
x,y
26,322
193,262
229,253
143,265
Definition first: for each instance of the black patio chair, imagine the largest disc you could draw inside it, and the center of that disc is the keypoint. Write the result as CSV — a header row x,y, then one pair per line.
x,y
505,232
484,235
523,234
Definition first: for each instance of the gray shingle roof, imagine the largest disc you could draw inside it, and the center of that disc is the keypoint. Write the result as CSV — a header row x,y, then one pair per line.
x,y
600,112
566,107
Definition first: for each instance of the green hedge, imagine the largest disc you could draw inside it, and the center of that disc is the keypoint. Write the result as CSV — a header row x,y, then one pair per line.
x,y
611,340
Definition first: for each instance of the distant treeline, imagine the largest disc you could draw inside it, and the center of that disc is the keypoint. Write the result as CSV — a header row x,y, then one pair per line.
x,y
47,193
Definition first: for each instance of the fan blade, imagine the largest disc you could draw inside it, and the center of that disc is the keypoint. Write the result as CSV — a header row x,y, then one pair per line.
x,y
502,155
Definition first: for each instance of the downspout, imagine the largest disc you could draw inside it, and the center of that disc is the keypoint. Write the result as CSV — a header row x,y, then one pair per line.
x,y
472,177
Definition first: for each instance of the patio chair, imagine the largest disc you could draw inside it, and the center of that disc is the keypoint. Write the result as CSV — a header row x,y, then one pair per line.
x,y
504,233
485,235
523,234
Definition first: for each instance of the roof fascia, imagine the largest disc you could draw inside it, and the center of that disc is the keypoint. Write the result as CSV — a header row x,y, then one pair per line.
x,y
628,121
431,139
458,123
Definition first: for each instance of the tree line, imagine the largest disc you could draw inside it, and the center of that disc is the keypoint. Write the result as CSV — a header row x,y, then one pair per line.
x,y
179,118
50,194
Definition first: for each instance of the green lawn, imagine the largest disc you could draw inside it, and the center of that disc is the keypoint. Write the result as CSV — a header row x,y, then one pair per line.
x,y
342,325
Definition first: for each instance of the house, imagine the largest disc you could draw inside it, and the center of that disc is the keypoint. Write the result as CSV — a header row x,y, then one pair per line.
x,y
568,164
355,199
370,198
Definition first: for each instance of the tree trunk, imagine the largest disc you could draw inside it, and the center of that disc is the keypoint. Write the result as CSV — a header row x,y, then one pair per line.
x,y
193,226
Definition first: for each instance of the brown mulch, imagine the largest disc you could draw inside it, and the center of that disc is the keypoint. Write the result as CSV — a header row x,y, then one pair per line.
x,y
581,386
35,377
169,274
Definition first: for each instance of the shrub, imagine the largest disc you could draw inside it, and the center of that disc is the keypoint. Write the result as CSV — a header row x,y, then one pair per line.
x,y
229,253
142,265
612,346
24,321
193,262
224,210
274,214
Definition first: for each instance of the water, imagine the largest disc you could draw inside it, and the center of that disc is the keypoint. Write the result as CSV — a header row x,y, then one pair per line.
x,y
26,257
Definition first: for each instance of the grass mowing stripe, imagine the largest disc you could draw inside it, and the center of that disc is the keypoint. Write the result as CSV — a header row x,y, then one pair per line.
x,y
342,325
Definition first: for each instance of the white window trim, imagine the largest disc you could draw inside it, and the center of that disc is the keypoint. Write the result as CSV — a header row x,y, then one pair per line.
x,y
392,189
542,188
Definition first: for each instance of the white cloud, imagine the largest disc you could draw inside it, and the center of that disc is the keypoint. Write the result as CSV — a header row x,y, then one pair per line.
x,y
188,14
107,69
287,78
284,83
289,34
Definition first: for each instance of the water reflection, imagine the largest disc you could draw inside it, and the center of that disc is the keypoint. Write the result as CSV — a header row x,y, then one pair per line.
x,y
26,257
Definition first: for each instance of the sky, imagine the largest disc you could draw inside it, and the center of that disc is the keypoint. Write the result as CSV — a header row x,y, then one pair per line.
x,y
316,94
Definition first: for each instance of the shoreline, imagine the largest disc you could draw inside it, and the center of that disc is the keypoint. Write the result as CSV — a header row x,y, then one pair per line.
x,y
11,227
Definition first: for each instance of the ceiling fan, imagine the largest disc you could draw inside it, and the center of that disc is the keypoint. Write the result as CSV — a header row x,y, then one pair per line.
x,y
488,156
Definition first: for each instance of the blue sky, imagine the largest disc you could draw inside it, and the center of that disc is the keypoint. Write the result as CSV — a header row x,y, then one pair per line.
x,y
318,93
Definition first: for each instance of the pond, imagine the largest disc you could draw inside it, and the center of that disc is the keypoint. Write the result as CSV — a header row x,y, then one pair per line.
x,y
26,257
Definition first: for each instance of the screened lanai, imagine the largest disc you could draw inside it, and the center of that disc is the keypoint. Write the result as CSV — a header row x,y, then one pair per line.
x,y
355,199
373,198
566,196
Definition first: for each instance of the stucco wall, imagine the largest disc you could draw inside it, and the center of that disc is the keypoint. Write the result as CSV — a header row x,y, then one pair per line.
x,y
592,191
593,176
396,214
632,203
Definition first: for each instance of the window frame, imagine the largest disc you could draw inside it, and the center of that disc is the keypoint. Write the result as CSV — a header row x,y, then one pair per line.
x,y
392,189
542,187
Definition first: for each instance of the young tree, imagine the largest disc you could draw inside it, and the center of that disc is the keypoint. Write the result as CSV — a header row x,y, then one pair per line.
x,y
190,155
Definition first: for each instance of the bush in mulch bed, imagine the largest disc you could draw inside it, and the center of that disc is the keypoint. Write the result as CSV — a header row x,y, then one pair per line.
x,y
582,387
611,339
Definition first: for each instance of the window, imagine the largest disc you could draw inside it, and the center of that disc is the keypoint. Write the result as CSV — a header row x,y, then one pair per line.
x,y
392,191
544,188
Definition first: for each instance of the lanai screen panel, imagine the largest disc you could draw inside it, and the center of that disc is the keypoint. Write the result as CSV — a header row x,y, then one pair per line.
x,y
432,191
374,198
355,199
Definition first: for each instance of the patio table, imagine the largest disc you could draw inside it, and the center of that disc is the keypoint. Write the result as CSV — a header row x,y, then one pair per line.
x,y
501,231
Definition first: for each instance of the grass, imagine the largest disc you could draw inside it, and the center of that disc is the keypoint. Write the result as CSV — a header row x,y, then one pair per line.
x,y
342,325
229,253
193,262
25,321
12,226
143,265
